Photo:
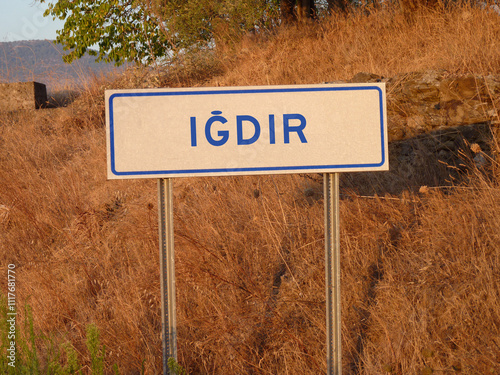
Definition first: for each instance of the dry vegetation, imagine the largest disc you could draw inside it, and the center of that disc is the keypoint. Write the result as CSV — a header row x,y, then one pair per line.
x,y
420,272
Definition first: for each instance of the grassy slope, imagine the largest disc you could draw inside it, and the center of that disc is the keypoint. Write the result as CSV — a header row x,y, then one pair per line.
x,y
420,273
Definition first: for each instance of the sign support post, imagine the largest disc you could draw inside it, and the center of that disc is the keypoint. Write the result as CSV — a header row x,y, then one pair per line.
x,y
167,270
332,274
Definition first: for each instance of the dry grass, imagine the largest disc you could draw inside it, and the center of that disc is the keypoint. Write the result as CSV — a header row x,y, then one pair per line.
x,y
420,272
428,281
385,42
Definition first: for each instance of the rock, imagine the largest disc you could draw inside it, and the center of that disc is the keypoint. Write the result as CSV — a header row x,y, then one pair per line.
x,y
437,158
441,128
22,95
421,102
363,77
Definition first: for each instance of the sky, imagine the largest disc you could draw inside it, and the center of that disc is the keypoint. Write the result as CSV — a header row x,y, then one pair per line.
x,y
24,20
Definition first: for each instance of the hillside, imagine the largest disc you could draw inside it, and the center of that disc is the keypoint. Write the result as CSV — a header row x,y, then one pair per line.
x,y
420,264
41,61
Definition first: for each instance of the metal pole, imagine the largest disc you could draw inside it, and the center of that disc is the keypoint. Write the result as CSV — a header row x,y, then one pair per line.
x,y
167,271
332,272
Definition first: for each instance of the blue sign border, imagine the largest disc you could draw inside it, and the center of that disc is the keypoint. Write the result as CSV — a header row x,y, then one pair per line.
x,y
283,169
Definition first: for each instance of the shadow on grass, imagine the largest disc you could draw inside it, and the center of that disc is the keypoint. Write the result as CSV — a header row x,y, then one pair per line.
x,y
61,98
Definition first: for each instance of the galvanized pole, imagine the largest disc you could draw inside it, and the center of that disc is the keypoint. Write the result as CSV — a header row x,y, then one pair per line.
x,y
332,272
167,271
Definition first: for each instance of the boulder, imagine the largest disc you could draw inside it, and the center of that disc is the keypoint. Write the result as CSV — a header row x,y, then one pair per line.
x,y
440,127
22,95
423,102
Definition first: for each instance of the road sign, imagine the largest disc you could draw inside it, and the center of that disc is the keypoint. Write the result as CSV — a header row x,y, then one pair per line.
x,y
161,133
165,133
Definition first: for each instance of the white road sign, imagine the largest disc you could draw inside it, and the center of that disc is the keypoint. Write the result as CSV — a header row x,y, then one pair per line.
x,y
323,128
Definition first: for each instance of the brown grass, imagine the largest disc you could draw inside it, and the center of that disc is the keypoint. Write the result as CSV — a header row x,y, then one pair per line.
x,y
420,272
385,42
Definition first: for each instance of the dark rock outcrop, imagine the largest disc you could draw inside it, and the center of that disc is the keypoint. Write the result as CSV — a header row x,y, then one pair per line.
x,y
440,127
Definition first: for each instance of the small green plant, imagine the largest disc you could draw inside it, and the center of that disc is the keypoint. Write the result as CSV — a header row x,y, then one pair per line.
x,y
175,368
96,350
4,339
71,367
61,359
30,350
23,359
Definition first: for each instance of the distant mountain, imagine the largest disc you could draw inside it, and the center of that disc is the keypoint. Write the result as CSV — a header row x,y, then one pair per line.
x,y
41,61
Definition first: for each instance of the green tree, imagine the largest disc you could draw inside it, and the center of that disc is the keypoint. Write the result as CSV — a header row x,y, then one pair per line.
x,y
122,30
146,31
194,23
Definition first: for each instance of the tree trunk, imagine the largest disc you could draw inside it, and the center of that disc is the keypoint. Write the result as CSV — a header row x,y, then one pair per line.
x,y
337,6
288,15
305,10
